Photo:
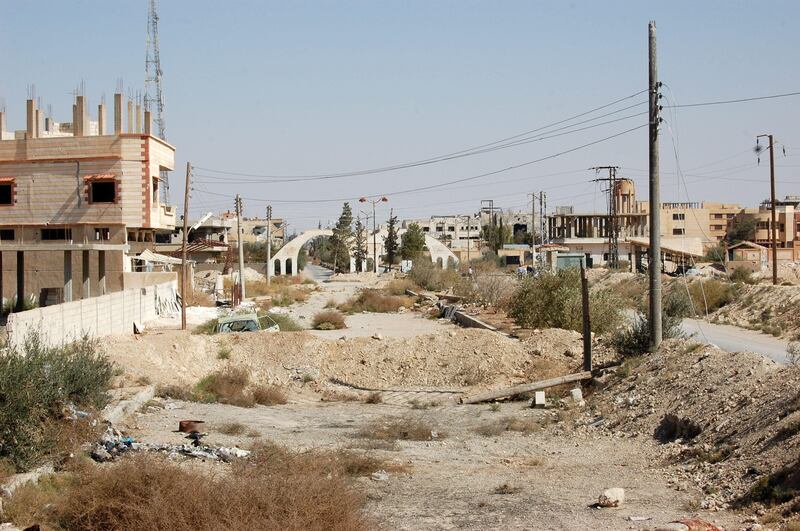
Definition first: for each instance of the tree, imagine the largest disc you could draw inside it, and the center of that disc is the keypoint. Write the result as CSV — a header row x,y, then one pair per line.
x,y
390,245
742,228
496,236
360,245
412,243
342,236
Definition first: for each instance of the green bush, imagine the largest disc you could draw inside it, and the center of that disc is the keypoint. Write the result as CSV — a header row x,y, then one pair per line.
x,y
635,340
553,300
284,322
712,294
37,383
429,276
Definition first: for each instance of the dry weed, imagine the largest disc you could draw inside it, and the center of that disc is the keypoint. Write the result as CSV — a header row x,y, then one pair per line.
x,y
275,489
269,395
506,424
400,428
232,428
374,397
372,300
328,320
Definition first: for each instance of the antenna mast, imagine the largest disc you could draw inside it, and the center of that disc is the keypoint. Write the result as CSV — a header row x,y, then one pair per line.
x,y
153,91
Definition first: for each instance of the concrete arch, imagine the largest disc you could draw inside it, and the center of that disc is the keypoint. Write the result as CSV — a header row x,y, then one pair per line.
x,y
291,251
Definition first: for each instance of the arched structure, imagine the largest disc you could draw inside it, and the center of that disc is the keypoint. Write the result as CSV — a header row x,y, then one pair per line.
x,y
285,261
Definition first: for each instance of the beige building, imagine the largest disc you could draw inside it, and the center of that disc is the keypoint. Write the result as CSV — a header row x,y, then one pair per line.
x,y
77,202
255,230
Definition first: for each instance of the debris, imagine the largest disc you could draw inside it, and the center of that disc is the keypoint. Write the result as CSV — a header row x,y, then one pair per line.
x,y
639,518
576,394
613,497
380,475
190,426
378,336
689,524
539,399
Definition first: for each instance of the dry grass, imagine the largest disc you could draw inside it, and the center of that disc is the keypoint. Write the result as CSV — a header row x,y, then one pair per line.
x,y
232,428
275,489
374,397
228,386
400,429
328,320
505,488
284,291
506,424
399,286
329,395
374,301
269,395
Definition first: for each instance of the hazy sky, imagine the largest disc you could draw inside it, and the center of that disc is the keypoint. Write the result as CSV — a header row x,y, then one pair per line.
x,y
303,88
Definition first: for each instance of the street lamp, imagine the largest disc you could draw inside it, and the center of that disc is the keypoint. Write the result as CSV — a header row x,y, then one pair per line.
x,y
374,202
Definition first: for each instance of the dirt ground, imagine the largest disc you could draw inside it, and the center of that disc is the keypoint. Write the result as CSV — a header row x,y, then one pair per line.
x,y
545,476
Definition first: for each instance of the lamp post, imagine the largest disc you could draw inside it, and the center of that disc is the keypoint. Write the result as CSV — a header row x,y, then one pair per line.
x,y
374,202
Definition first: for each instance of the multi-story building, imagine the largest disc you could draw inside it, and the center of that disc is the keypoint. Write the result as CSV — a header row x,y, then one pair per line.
x,y
787,217
255,230
77,202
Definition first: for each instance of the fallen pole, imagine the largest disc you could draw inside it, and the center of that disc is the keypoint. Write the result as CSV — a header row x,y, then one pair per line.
x,y
526,388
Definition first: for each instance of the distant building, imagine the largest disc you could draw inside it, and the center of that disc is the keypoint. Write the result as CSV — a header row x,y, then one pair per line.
x,y
255,230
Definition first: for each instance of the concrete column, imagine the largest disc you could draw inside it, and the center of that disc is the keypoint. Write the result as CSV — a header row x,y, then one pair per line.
x,y
2,283
48,125
101,119
138,118
117,113
148,124
30,131
101,272
130,117
80,116
67,276
39,122
2,123
363,265
86,291
20,280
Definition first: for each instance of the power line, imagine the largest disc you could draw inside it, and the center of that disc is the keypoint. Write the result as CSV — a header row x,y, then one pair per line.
x,y
455,181
725,102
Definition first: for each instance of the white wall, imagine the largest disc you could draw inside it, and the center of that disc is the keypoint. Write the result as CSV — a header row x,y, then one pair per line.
x,y
100,316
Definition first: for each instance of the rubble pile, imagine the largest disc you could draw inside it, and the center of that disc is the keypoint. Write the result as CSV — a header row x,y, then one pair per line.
x,y
762,305
724,421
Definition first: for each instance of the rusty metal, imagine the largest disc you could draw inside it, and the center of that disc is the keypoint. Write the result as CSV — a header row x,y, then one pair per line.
x,y
190,426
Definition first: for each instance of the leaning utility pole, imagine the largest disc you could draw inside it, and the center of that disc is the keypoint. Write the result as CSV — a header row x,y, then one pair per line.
x,y
774,230
613,225
183,245
654,266
269,244
241,245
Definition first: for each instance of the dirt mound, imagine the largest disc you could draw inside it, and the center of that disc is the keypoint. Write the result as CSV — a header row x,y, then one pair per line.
x,y
448,359
728,421
765,307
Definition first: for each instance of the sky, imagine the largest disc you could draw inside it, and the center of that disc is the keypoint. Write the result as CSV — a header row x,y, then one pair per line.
x,y
302,88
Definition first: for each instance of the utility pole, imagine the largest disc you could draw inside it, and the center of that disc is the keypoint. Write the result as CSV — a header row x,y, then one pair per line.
x,y
184,271
654,266
587,325
269,244
774,230
241,245
533,227
613,226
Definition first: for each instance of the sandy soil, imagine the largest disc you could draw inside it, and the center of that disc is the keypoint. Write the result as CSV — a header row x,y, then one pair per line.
x,y
450,483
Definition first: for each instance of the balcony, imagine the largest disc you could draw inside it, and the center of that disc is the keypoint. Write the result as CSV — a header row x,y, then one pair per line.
x,y
163,217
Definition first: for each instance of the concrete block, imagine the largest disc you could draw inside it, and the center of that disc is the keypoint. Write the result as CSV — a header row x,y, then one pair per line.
x,y
539,399
576,395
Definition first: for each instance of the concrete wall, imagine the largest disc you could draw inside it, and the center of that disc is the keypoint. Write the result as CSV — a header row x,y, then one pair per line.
x,y
142,280
96,317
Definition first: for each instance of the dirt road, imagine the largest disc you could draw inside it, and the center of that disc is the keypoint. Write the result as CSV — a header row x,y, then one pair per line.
x,y
735,339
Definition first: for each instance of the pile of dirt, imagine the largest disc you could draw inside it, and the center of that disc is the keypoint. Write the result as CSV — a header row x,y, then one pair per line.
x,y
447,359
767,307
729,423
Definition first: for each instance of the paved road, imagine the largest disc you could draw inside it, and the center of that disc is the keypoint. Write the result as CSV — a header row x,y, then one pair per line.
x,y
735,339
317,273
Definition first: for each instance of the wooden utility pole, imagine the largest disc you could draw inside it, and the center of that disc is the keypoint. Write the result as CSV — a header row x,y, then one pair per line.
x,y
269,244
587,324
241,246
183,245
774,231
654,266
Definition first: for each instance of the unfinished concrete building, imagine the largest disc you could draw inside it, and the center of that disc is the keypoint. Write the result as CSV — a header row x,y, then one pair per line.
x,y
77,201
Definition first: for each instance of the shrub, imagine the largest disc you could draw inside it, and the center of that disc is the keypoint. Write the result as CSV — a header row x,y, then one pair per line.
x,y
224,353
429,276
635,340
553,300
284,322
375,397
793,354
711,294
227,386
400,428
372,300
328,320
742,274
207,328
273,489
399,286
506,424
269,395
37,384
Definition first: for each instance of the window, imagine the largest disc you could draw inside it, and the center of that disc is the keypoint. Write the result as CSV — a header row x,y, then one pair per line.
x,y
678,217
101,233
719,216
451,228
717,227
677,232
7,235
155,189
56,234
103,192
7,193
426,229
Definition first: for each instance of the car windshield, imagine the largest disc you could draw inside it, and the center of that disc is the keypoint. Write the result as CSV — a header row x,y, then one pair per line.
x,y
245,325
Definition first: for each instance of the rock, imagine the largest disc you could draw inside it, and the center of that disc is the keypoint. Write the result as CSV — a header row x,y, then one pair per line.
x,y
452,333
614,497
378,336
380,475
576,395
673,526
